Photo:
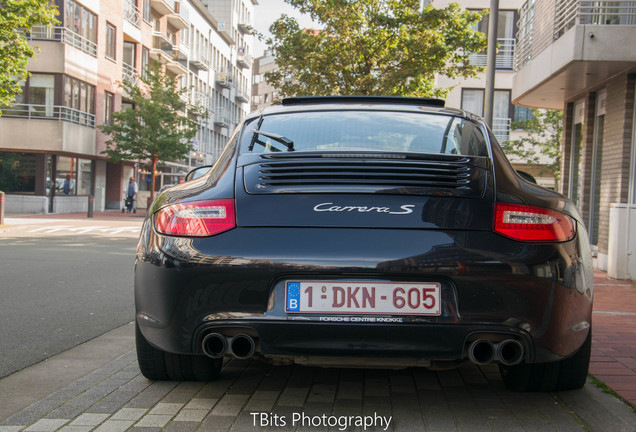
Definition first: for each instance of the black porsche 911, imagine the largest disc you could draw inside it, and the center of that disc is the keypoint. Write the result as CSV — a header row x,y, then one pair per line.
x,y
366,232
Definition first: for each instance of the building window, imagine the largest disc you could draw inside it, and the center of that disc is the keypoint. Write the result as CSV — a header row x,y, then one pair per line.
x,y
81,21
473,101
79,95
522,114
109,103
111,41
145,61
146,11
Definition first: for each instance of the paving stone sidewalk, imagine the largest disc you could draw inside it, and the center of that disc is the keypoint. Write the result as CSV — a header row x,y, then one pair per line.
x,y
116,398
614,337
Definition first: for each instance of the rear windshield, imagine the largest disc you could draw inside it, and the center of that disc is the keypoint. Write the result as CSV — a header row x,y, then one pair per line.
x,y
382,131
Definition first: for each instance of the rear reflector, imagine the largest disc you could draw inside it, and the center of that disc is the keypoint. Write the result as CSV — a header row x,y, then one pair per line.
x,y
196,219
533,224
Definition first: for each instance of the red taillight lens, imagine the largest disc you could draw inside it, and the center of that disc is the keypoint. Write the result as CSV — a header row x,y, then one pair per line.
x,y
196,219
533,224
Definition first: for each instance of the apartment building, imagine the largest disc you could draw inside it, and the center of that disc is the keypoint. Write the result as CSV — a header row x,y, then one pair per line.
x,y
469,94
263,93
579,56
50,133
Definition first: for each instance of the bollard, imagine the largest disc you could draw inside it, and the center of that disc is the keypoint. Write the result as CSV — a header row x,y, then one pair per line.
x,y
91,204
1,208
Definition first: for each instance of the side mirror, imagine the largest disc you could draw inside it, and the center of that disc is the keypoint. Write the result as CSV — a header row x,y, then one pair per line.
x,y
198,172
526,176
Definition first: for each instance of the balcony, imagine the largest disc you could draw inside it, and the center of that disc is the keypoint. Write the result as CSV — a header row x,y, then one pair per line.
x,y
223,79
64,35
221,119
177,67
505,55
129,74
501,128
180,19
162,47
567,46
163,7
50,112
181,51
200,60
132,14
245,28
201,99
243,60
241,96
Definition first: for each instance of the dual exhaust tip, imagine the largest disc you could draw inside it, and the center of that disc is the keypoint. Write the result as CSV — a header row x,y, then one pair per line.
x,y
508,352
241,346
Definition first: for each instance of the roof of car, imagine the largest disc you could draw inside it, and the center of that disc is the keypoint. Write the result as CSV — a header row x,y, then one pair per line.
x,y
313,103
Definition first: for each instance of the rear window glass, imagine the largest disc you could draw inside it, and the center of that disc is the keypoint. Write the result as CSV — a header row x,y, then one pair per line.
x,y
382,131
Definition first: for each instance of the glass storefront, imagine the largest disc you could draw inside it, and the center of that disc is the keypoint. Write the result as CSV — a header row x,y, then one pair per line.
x,y
74,176
17,172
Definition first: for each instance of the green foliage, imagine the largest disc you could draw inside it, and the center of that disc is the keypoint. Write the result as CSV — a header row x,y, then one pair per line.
x,y
156,129
373,47
544,138
16,18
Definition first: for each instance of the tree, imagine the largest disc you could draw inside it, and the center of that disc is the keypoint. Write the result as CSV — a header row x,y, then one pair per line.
x,y
157,128
373,47
545,130
16,19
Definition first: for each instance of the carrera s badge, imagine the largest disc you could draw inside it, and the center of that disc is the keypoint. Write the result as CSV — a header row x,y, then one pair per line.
x,y
331,207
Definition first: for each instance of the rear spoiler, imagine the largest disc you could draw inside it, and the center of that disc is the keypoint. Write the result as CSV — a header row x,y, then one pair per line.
x,y
400,100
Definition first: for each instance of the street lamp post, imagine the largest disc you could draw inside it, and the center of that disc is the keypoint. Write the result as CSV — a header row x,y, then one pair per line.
x,y
491,62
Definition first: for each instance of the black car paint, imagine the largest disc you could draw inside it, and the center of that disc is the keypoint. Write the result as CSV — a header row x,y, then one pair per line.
x,y
540,292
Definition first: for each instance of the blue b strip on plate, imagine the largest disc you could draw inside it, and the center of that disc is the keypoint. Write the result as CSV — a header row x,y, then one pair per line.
x,y
293,297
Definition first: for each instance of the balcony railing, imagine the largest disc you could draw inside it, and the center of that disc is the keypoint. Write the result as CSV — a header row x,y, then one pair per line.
x,y
200,60
50,112
501,128
62,34
241,96
505,54
161,44
243,60
221,118
132,14
181,18
541,22
130,74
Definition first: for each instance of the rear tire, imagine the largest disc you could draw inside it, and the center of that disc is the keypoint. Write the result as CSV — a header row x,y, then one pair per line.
x,y
567,374
159,365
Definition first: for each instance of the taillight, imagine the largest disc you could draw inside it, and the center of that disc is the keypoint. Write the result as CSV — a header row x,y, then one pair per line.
x,y
533,224
196,219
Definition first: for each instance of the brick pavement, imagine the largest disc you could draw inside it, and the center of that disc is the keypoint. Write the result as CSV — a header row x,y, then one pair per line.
x,y
614,337
116,398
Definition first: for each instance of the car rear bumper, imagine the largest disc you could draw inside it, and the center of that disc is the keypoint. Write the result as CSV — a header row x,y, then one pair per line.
x,y
492,287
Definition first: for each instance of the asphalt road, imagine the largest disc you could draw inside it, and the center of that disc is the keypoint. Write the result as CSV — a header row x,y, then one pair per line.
x,y
58,292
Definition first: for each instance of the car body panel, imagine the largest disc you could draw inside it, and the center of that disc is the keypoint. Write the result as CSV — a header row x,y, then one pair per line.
x,y
539,294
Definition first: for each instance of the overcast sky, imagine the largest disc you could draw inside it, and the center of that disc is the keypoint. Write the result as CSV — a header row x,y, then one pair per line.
x,y
268,11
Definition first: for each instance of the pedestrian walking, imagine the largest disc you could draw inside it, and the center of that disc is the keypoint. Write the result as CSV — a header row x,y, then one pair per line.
x,y
130,196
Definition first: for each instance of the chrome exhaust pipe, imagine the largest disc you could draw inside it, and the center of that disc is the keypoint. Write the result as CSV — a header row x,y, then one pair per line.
x,y
214,345
481,352
510,352
242,346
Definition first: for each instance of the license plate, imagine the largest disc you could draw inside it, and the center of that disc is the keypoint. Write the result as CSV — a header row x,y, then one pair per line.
x,y
344,297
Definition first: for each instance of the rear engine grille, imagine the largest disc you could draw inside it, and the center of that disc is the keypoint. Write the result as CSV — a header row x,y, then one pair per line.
x,y
459,177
